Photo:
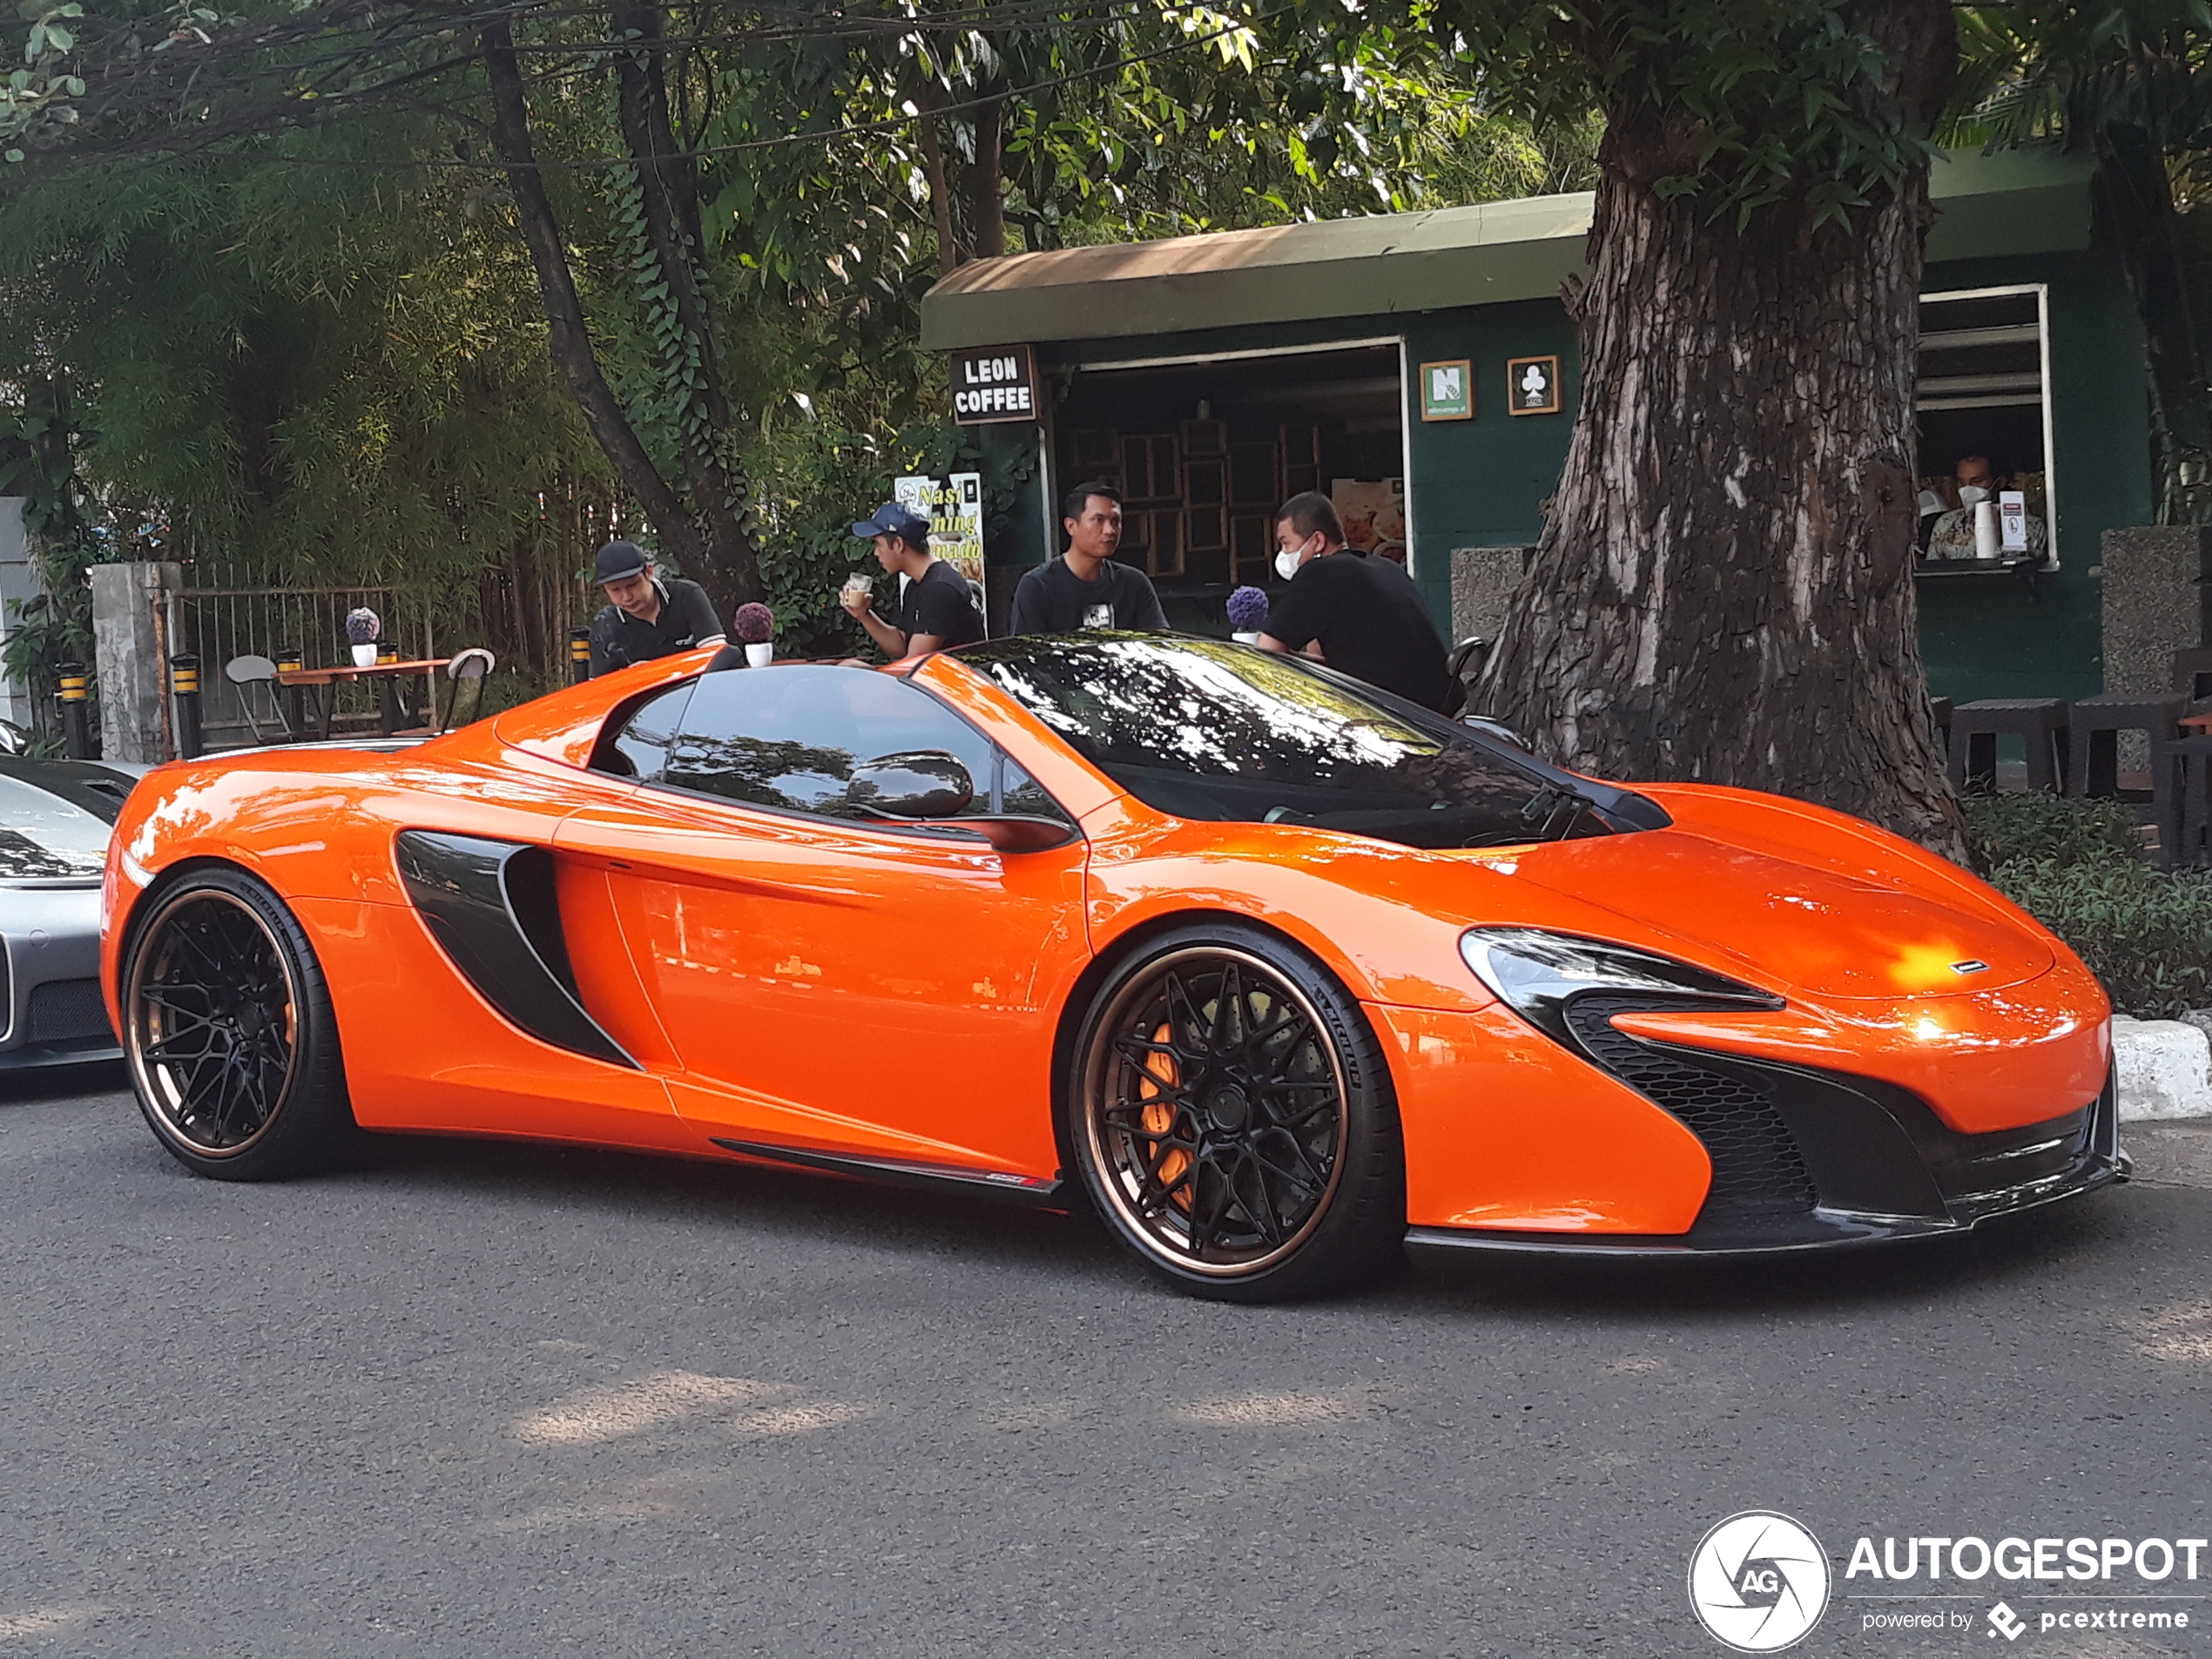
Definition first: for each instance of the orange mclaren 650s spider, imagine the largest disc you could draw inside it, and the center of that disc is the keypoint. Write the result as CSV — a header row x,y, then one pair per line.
x,y
1278,973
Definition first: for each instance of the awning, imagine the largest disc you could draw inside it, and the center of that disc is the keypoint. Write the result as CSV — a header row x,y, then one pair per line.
x,y
2014,202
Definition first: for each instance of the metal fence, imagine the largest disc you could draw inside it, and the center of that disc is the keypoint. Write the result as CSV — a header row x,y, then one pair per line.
x,y
220,623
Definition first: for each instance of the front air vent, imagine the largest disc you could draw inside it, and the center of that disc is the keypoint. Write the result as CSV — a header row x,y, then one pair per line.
x,y
491,906
67,1013
1758,1172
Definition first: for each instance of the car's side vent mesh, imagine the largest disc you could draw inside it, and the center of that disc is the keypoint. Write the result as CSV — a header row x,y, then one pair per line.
x,y
1758,1172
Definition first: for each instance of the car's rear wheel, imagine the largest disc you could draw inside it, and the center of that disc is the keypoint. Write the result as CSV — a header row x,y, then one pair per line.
x,y
227,1028
1232,1118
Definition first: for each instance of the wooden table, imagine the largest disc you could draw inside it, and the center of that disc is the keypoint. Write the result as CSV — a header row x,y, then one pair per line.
x,y
387,677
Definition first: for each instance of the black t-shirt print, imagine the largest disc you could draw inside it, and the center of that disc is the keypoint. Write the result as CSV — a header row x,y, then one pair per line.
x,y
1371,622
938,603
1052,599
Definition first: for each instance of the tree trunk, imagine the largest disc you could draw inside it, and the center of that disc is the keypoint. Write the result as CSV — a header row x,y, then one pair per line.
x,y
950,254
1722,592
667,183
569,337
987,186
2136,198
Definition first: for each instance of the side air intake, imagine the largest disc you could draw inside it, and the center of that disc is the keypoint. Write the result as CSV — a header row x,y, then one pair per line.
x,y
491,906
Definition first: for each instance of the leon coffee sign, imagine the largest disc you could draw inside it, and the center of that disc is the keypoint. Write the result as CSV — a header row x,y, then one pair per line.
x,y
994,383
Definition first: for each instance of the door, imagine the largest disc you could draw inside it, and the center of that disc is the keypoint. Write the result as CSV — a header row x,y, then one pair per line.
x,y
825,981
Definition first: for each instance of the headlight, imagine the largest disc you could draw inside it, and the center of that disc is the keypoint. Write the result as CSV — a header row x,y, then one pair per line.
x,y
1536,973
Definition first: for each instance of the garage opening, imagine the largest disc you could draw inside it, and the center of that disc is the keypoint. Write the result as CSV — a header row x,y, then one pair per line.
x,y
1203,451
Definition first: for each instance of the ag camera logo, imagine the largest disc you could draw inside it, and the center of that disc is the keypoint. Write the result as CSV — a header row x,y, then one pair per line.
x,y
1759,1582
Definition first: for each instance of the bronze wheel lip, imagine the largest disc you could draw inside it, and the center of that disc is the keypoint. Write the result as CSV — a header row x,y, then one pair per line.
x,y
137,1010
1111,1170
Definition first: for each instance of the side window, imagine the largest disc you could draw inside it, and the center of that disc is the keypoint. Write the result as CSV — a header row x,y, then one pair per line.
x,y
639,746
1020,793
790,738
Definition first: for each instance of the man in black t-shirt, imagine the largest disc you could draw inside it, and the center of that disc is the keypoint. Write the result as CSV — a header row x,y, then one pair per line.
x,y
1086,587
646,615
1361,615
938,610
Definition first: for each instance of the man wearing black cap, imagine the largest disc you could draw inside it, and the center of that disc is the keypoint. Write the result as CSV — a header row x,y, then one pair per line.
x,y
937,610
646,617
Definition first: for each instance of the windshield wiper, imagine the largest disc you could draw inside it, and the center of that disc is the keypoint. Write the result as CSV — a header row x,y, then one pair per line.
x,y
1551,813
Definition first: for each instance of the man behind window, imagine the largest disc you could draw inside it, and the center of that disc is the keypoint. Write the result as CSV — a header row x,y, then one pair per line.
x,y
646,617
936,612
1976,479
1359,615
1086,587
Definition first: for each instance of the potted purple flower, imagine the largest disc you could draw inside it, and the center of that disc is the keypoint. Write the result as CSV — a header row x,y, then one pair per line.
x,y
756,628
362,626
1247,611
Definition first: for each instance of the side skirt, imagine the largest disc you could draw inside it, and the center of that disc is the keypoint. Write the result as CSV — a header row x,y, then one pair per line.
x,y
1028,1191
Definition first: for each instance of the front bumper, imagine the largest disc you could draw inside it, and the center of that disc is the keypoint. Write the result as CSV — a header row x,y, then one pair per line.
x,y
1805,1159
51,1012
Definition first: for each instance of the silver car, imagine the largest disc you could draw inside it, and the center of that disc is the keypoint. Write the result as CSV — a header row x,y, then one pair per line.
x,y
54,822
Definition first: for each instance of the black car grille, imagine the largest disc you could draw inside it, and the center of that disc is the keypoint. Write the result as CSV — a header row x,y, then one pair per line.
x,y
67,1013
1758,1172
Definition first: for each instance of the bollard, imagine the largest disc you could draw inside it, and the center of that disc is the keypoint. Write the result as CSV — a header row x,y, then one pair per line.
x,y
579,654
76,711
184,697
291,701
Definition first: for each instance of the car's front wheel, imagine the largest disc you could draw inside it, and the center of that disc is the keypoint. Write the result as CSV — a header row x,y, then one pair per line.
x,y
1232,1118
229,1034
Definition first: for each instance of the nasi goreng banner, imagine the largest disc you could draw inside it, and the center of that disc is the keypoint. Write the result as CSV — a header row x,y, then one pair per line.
x,y
953,502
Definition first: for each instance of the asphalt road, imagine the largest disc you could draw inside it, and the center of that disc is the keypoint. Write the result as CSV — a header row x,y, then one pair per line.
x,y
495,1400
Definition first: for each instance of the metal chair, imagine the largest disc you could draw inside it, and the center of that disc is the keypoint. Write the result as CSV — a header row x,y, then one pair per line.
x,y
468,667
247,672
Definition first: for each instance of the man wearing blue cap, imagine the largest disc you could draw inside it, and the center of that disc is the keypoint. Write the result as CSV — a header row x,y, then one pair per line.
x,y
936,609
646,615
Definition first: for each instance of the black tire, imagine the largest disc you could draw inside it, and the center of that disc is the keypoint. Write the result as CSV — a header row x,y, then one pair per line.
x,y
228,1032
1232,1117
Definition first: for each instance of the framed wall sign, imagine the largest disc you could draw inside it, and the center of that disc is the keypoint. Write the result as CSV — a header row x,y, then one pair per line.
x,y
1532,385
1447,390
994,383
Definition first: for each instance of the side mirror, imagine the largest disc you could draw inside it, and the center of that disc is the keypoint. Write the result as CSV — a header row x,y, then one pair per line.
x,y
1497,729
924,783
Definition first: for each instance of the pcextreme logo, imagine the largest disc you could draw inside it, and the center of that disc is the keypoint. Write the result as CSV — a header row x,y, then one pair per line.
x,y
1759,1582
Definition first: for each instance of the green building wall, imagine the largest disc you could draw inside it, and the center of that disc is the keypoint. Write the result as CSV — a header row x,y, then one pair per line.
x,y
1482,482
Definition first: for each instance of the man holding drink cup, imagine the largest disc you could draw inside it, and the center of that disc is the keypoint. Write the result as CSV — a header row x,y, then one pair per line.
x,y
936,609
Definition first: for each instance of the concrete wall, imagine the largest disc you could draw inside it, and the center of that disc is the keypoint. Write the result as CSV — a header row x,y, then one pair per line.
x,y
129,616
19,582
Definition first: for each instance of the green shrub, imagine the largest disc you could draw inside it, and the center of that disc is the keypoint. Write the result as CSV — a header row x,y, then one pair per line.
x,y
2147,933
2076,867
2034,827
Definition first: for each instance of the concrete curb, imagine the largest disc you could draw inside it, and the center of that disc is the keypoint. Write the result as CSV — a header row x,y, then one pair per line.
x,y
2165,1069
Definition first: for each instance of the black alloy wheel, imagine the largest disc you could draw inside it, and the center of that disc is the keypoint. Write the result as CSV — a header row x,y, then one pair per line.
x,y
1233,1119
227,1028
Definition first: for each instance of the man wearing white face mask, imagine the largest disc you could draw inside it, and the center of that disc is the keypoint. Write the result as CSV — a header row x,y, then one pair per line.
x,y
1977,481
1361,615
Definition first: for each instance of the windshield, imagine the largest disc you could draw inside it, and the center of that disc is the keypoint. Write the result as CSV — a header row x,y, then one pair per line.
x,y
43,838
1204,729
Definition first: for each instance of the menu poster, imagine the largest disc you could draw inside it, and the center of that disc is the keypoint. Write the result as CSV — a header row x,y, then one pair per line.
x,y
953,502
1374,512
